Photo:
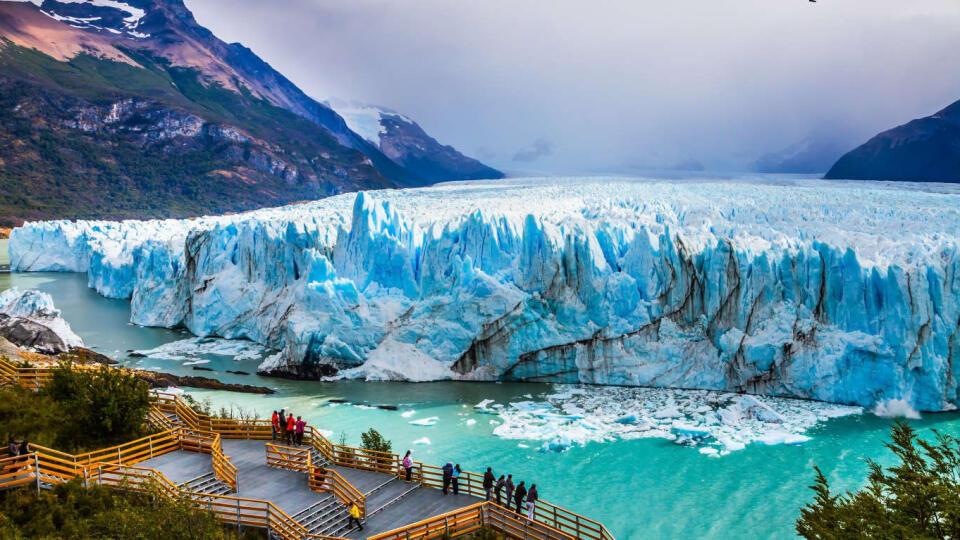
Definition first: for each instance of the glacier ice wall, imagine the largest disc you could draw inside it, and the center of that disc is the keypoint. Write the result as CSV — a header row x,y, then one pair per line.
x,y
841,292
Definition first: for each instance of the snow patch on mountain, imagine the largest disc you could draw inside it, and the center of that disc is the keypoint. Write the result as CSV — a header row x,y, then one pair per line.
x,y
365,120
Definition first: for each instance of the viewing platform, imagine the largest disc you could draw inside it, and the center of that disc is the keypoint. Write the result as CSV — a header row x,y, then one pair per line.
x,y
233,469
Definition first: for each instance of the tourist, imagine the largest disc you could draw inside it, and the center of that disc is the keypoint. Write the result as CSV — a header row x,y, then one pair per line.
x,y
291,426
319,477
532,501
300,426
499,488
488,480
408,464
275,425
283,424
354,516
447,476
13,448
24,448
456,479
509,486
519,495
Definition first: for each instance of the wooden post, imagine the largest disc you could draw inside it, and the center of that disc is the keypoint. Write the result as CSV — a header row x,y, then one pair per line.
x,y
119,457
36,465
238,515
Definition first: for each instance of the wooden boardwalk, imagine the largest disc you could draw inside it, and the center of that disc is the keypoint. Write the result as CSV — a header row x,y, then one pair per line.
x,y
230,468
391,502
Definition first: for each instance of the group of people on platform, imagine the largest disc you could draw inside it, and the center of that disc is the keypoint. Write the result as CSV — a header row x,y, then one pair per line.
x,y
493,487
288,429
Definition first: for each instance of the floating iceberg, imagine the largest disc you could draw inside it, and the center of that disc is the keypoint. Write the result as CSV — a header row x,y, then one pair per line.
x,y
721,421
835,291
191,350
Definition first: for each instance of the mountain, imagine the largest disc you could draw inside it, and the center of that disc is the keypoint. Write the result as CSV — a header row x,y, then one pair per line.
x,y
406,143
132,109
923,150
813,154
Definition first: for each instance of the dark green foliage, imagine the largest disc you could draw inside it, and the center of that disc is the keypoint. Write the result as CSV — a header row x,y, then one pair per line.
x,y
70,511
373,440
25,414
917,498
97,408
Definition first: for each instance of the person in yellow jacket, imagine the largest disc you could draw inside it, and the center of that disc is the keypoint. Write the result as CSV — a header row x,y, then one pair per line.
x,y
354,516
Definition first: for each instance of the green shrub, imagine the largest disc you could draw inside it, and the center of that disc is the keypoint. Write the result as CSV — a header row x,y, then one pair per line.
x,y
70,511
373,440
917,498
98,408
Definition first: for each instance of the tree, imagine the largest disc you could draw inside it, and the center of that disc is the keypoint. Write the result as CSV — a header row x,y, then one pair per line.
x,y
372,440
99,407
917,498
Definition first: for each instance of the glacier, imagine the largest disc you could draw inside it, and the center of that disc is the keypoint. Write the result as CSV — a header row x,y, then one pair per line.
x,y
845,292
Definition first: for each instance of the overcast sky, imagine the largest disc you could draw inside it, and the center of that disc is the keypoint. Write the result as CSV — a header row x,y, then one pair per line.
x,y
561,86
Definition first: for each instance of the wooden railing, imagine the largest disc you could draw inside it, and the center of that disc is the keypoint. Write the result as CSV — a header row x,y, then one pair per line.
x,y
287,457
32,378
469,519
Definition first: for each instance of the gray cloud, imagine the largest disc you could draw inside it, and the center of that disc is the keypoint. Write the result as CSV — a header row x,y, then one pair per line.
x,y
614,83
540,148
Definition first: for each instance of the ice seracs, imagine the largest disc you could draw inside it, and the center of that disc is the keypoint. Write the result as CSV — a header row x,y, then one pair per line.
x,y
834,291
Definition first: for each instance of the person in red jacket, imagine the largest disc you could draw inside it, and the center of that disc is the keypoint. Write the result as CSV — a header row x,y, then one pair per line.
x,y
275,425
291,426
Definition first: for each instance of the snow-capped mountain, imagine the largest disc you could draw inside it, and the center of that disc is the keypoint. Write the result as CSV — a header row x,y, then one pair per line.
x,y
841,292
924,150
406,143
99,94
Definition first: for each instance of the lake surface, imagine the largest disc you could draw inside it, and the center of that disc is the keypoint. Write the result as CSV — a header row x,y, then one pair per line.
x,y
645,488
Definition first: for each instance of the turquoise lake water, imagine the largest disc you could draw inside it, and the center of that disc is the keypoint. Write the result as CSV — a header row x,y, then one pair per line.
x,y
646,488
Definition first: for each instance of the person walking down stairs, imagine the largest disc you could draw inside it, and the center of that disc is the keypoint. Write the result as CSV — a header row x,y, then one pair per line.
x,y
354,516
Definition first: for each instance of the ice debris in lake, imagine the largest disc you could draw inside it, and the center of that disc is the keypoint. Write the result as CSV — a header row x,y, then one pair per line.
x,y
20,310
425,421
422,440
191,351
835,291
715,422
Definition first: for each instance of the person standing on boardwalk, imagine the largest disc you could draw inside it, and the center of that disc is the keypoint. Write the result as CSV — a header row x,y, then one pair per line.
x,y
456,479
354,516
300,426
275,425
499,488
519,495
282,425
509,486
447,476
408,464
291,425
532,497
13,448
488,480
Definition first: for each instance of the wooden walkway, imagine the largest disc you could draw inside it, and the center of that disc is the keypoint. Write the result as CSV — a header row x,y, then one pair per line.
x,y
391,502
230,468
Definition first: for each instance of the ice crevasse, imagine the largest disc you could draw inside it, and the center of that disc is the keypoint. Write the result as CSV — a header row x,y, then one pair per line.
x,y
835,291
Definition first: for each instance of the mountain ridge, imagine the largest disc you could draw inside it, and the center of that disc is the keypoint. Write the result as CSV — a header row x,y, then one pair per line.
x,y
121,90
